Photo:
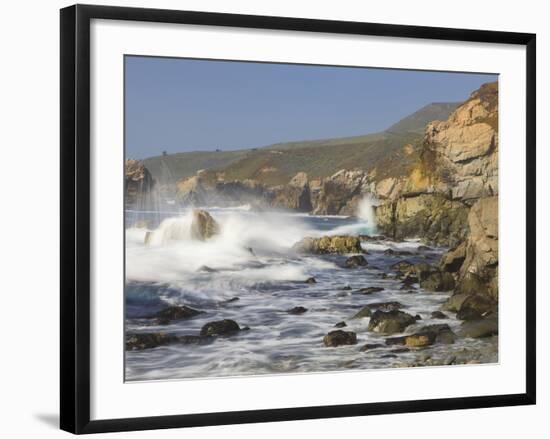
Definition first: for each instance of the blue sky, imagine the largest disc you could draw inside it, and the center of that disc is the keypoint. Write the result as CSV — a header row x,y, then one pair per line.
x,y
179,105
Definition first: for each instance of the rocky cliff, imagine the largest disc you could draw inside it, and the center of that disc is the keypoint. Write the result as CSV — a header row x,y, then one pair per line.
x,y
138,184
457,166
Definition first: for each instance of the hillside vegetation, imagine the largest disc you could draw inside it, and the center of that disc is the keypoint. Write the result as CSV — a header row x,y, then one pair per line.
x,y
390,151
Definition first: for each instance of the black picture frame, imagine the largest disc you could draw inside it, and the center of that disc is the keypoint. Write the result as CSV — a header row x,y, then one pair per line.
x,y
75,217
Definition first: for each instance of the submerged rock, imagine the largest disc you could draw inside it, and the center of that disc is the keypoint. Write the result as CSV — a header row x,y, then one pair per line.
x,y
203,226
329,244
340,325
340,338
220,327
310,280
177,312
370,346
297,310
390,322
370,290
355,261
439,315
140,341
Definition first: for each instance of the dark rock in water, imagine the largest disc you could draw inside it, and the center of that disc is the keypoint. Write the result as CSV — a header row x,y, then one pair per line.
x,y
388,356
363,312
340,325
206,269
140,341
479,328
370,290
346,288
385,306
220,327
246,328
417,317
329,244
475,306
203,226
297,310
438,281
233,299
409,279
439,315
310,280
389,251
400,350
424,248
355,261
390,322
339,338
370,346
402,266
175,313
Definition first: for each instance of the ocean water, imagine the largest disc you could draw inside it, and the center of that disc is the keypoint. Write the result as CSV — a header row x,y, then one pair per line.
x,y
252,260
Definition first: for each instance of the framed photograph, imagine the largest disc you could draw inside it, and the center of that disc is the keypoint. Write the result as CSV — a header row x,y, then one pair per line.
x,y
273,218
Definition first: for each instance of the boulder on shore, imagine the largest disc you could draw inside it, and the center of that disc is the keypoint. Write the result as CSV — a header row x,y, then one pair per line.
x,y
329,244
390,322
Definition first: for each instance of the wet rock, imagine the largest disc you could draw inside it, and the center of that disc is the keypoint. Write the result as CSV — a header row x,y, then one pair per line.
x,y
385,306
340,338
310,280
400,350
425,336
140,341
297,310
172,313
390,322
220,327
370,290
340,325
363,312
479,328
346,288
147,341
233,299
355,261
439,315
418,317
438,281
424,248
370,346
402,266
389,251
203,226
475,306
454,302
329,244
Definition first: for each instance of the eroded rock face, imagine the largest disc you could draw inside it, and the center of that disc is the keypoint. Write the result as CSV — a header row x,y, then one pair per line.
x,y
329,244
458,165
203,226
295,195
138,184
340,193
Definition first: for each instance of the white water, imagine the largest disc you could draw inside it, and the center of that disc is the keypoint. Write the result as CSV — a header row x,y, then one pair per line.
x,y
268,281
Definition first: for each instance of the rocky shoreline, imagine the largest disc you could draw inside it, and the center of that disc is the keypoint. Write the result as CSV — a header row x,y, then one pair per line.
x,y
447,198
